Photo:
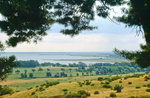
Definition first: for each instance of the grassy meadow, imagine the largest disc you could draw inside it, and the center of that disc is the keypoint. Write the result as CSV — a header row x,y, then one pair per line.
x,y
134,86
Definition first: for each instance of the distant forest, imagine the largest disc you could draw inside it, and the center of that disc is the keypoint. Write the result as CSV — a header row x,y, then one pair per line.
x,y
98,68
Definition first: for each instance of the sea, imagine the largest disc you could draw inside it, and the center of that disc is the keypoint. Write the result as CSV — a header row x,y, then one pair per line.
x,y
59,57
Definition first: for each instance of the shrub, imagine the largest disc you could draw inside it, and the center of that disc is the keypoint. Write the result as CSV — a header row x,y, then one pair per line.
x,y
129,82
112,94
80,84
96,92
87,82
115,78
64,90
107,86
41,89
137,87
102,82
148,85
107,82
47,84
83,96
100,79
148,90
147,77
5,90
33,93
82,92
118,88
40,69
120,81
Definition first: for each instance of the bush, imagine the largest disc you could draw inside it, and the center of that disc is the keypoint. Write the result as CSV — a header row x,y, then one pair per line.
x,y
102,83
148,90
96,92
33,93
107,82
40,69
118,88
41,89
82,92
112,95
120,81
107,86
80,84
100,79
147,77
5,90
87,82
144,85
64,90
129,82
115,78
47,84
137,87
83,96
148,85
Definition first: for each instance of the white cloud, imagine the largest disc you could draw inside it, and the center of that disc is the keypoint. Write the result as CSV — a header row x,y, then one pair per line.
x,y
101,42
3,37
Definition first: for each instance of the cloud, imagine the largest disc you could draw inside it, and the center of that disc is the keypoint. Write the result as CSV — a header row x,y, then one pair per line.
x,y
94,42
3,37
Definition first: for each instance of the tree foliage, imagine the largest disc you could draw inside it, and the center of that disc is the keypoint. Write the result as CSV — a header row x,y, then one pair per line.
x,y
6,65
137,15
28,20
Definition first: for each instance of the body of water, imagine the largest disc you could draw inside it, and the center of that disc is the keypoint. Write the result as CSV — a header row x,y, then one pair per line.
x,y
58,57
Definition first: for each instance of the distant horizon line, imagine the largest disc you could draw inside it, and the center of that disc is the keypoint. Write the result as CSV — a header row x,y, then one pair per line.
x,y
60,52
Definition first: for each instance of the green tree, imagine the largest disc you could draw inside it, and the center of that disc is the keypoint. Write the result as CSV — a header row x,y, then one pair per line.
x,y
17,71
22,24
48,74
6,65
31,75
137,15
33,70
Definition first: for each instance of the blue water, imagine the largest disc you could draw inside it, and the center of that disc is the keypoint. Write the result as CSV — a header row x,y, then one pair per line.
x,y
54,57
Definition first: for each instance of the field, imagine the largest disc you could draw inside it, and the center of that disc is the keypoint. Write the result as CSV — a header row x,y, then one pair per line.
x,y
94,60
61,82
133,85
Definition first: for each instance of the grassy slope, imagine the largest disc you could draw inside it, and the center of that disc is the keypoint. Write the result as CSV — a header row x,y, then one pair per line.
x,y
73,87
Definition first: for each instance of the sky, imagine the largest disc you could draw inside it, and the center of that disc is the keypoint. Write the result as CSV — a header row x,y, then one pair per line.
x,y
108,36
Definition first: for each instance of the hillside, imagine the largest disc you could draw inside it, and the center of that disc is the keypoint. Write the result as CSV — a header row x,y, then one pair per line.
x,y
134,86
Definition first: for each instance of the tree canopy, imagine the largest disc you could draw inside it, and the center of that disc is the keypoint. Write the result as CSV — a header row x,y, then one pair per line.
x,y
28,20
138,15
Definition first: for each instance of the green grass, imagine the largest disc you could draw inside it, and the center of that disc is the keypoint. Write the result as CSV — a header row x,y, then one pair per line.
x,y
42,74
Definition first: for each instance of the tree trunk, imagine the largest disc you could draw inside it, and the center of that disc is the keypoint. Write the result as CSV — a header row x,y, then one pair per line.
x,y
146,29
